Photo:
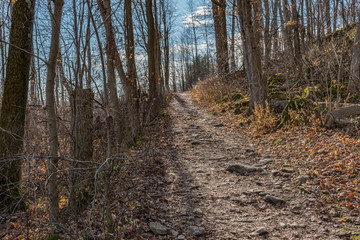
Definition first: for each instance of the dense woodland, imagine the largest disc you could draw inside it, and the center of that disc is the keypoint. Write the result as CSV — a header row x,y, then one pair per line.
x,y
83,84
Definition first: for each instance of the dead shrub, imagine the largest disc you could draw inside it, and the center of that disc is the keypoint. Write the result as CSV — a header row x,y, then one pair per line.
x,y
264,118
210,90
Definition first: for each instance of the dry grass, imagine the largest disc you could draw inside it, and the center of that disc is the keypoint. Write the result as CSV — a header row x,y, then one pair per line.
x,y
264,118
211,90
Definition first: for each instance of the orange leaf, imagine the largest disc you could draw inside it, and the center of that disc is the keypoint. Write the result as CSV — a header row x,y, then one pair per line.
x,y
350,195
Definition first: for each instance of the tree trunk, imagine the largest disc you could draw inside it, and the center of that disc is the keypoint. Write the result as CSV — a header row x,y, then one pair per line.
x,y
232,46
296,36
154,99
133,98
354,82
257,83
51,111
82,149
219,14
12,119
267,38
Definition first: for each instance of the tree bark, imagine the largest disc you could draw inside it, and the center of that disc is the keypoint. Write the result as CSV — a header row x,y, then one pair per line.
x,y
133,98
51,111
257,83
154,99
219,14
354,82
12,119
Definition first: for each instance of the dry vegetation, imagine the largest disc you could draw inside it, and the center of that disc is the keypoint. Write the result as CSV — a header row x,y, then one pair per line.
x,y
292,122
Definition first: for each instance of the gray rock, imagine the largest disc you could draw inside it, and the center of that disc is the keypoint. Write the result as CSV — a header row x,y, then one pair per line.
x,y
284,225
174,233
197,211
196,231
302,179
242,168
275,173
273,199
158,229
260,231
287,170
181,237
265,161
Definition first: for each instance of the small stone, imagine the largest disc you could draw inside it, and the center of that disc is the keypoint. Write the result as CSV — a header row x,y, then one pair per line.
x,y
219,125
197,211
196,231
248,150
265,161
181,237
195,142
260,231
174,233
287,170
283,225
200,171
242,168
273,199
286,175
275,173
302,179
158,229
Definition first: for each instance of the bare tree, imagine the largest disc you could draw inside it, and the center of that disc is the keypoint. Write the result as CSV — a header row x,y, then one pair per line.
x,y
248,14
219,13
56,15
12,119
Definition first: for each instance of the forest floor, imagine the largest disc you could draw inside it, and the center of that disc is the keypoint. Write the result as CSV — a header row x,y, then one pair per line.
x,y
215,181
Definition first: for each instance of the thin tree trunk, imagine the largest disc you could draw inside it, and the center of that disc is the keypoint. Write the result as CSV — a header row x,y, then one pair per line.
x,y
51,111
257,83
155,101
232,46
133,98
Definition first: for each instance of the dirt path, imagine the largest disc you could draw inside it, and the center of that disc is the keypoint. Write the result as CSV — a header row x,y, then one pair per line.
x,y
200,192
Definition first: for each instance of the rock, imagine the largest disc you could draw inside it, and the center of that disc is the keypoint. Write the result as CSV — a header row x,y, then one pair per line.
x,y
174,233
249,150
283,225
260,231
286,175
200,171
302,179
195,142
273,199
242,168
158,228
219,125
287,170
197,211
275,173
181,237
265,161
196,231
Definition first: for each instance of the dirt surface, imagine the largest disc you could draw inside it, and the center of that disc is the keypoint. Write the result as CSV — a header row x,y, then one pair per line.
x,y
200,192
